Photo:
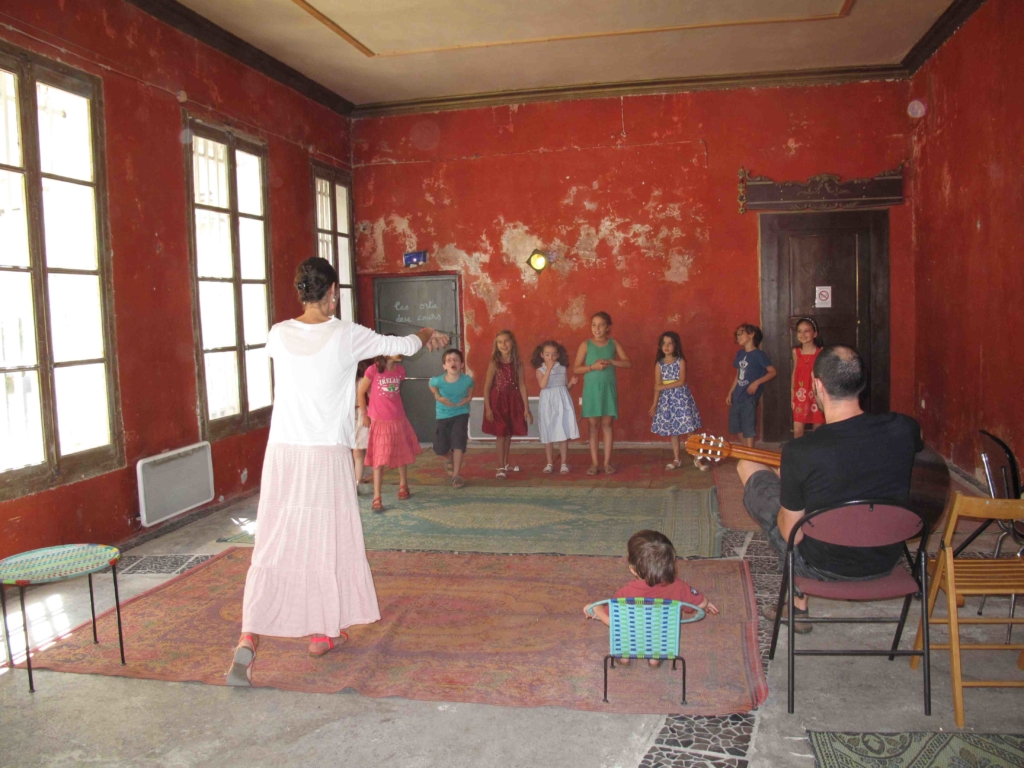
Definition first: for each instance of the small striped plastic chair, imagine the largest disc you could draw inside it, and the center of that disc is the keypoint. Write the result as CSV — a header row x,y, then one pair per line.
x,y
645,628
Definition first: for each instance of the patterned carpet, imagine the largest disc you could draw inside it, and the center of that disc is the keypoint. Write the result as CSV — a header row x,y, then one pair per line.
x,y
730,498
532,520
917,750
489,629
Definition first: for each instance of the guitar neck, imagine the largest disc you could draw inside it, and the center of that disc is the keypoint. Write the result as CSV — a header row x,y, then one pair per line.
x,y
771,458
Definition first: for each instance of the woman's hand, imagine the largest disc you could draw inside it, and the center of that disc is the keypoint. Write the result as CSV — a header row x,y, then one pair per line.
x,y
433,339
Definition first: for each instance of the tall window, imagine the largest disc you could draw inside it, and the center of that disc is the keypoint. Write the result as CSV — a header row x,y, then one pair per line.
x,y
232,288
59,418
334,231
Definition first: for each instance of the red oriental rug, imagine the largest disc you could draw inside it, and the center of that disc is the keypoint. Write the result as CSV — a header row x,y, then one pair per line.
x,y
485,629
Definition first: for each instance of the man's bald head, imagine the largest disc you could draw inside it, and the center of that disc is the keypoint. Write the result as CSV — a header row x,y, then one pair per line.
x,y
841,372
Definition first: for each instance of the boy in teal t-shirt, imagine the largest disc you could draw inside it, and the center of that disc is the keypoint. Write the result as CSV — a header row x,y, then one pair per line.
x,y
453,392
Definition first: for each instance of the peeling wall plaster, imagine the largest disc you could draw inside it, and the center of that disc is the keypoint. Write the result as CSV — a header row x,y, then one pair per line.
x,y
576,315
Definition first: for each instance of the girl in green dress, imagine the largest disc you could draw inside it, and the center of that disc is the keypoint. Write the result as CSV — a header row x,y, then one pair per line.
x,y
596,361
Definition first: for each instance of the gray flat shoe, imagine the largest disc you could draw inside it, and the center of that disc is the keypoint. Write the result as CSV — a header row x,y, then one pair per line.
x,y
240,674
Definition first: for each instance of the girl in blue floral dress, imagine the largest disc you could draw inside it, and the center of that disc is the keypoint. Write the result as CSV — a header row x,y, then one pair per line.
x,y
674,410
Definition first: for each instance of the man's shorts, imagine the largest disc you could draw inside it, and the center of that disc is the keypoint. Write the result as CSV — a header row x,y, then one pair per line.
x,y
451,434
743,417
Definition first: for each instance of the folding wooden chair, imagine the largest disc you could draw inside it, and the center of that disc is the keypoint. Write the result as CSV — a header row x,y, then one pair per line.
x,y
961,577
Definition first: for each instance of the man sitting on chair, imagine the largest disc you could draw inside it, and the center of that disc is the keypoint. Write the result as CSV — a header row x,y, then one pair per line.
x,y
854,455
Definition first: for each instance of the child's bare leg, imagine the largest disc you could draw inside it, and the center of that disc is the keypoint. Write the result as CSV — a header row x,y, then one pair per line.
x,y
608,432
358,456
675,447
563,449
378,479
595,438
549,452
403,476
506,449
798,429
457,461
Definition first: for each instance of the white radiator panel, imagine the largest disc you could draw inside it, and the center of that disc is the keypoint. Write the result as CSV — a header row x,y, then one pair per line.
x,y
174,482
476,420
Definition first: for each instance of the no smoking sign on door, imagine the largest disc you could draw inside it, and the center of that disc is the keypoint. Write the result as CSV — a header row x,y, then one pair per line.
x,y
823,296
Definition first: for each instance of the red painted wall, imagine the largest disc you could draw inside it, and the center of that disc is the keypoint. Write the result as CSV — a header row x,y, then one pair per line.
x,y
968,203
143,64
638,196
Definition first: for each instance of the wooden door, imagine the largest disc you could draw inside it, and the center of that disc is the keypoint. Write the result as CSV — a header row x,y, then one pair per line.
x,y
803,257
404,305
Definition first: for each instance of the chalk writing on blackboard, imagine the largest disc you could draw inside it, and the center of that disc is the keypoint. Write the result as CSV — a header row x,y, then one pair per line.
x,y
401,319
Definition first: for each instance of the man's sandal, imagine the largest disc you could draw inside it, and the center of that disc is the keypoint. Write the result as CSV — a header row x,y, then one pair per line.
x,y
240,674
403,492
324,640
377,505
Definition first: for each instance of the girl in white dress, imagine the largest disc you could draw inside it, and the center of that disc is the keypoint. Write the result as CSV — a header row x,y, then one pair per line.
x,y
557,414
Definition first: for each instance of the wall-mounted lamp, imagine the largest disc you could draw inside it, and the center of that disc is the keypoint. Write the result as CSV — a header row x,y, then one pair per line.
x,y
539,260
415,258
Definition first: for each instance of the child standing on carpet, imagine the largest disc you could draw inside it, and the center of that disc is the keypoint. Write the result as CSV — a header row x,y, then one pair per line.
x,y
362,432
674,410
805,407
453,392
753,369
596,361
506,405
556,412
392,441
652,561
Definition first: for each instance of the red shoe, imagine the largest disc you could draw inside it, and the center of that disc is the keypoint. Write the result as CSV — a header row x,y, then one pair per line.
x,y
324,640
378,504
403,492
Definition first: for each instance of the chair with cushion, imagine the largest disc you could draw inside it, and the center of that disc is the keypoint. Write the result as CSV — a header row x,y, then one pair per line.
x,y
960,578
865,523
645,628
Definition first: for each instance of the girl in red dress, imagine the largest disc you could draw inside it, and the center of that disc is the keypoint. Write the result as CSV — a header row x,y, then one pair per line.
x,y
805,407
506,406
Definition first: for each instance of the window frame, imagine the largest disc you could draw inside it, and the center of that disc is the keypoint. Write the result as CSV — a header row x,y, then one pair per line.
x,y
336,177
245,420
31,69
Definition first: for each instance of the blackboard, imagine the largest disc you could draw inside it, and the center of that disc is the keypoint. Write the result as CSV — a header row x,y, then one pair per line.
x,y
403,305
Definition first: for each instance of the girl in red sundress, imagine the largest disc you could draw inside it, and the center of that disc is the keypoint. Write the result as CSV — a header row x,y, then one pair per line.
x,y
506,406
805,407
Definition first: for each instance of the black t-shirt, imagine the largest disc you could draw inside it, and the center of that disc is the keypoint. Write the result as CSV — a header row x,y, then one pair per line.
x,y
869,456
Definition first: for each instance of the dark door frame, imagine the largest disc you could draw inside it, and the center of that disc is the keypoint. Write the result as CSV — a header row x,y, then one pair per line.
x,y
778,334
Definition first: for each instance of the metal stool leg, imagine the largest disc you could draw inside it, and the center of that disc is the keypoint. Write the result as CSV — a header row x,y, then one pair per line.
x,y
7,636
606,678
28,647
92,607
117,607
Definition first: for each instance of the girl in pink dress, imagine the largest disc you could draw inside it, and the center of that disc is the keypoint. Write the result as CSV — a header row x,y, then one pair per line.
x,y
393,441
805,407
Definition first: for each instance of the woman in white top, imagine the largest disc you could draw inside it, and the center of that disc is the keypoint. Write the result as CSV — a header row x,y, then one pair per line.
x,y
309,573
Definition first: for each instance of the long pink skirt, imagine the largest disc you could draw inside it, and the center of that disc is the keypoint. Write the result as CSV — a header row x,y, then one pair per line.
x,y
309,573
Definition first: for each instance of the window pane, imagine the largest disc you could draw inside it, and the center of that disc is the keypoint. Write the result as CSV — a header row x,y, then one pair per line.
x,y
75,317
65,136
17,321
254,255
213,244
323,247
257,375
254,313
217,314
13,220
82,421
21,422
69,218
346,304
250,183
344,262
221,384
323,204
341,196
10,124
210,172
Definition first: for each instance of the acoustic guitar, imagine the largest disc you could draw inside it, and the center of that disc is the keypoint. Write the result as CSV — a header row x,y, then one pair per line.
x,y
929,479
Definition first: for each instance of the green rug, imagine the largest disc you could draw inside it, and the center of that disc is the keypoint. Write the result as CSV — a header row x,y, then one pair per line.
x,y
565,521
917,750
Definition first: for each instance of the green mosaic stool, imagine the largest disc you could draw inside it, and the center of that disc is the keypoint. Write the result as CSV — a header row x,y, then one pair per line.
x,y
645,628
43,566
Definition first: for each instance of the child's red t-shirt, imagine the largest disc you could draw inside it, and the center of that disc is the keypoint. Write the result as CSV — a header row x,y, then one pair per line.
x,y
677,590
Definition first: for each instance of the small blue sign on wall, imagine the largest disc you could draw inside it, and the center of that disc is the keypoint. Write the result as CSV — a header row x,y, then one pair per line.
x,y
415,258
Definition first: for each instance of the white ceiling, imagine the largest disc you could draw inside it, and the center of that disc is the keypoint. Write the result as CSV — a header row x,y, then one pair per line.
x,y
388,51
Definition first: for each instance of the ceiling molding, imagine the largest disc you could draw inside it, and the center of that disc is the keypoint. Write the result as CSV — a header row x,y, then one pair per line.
x,y
348,37
205,31
609,90
943,28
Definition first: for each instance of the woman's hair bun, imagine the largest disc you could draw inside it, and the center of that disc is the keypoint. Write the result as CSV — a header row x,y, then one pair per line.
x,y
313,278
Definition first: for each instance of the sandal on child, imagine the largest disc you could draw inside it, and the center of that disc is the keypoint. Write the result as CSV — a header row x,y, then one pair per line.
x,y
449,467
565,469
458,482
499,474
593,470
674,464
240,674
701,465
377,505
548,469
609,469
403,492
324,640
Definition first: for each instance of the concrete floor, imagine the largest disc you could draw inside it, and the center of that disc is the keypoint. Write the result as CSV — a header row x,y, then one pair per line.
x,y
114,721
